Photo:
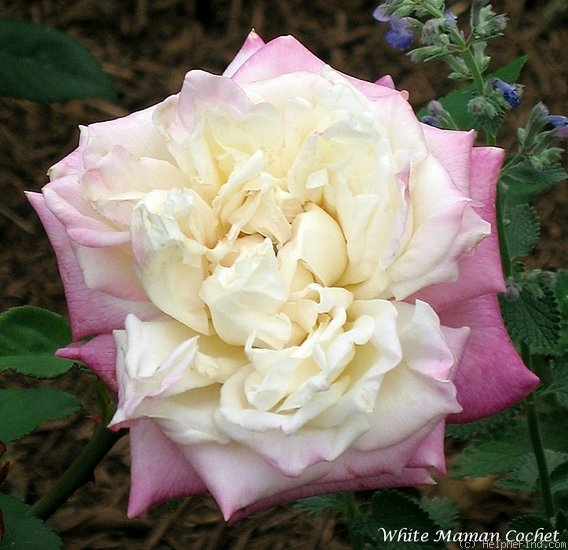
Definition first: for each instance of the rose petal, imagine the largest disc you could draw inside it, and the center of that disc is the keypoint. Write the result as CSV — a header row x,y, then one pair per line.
x,y
480,272
491,375
252,44
99,354
159,471
105,312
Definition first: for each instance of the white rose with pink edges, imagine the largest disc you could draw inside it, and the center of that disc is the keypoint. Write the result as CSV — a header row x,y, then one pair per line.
x,y
289,279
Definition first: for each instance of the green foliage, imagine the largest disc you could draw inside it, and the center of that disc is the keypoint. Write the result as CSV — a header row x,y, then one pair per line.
x,y
315,506
43,64
442,511
25,409
522,229
524,476
29,338
527,178
24,532
530,311
455,102
493,452
480,428
393,513
530,524
561,292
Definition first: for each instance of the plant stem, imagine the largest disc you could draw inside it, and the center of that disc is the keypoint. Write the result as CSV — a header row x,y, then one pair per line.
x,y
503,247
79,473
536,441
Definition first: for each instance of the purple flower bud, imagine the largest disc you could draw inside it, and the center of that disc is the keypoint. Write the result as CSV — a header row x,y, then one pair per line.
x,y
400,36
560,124
431,121
511,92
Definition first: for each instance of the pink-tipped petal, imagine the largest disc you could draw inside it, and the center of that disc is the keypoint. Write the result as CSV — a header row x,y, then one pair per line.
x,y
480,273
105,312
159,471
365,471
279,56
491,376
251,45
99,354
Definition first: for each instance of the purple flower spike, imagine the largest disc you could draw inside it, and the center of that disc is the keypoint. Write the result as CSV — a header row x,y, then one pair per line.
x,y
560,124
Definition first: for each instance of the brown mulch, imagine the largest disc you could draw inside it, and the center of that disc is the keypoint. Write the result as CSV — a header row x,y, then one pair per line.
x,y
147,47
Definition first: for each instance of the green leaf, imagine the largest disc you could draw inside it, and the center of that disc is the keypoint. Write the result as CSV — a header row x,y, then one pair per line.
x,y
482,428
559,478
561,291
315,506
44,64
29,337
443,511
560,382
524,475
533,317
522,229
22,410
526,179
394,513
456,102
23,532
493,456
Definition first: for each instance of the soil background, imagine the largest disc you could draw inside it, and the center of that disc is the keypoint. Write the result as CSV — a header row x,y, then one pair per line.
x,y
147,47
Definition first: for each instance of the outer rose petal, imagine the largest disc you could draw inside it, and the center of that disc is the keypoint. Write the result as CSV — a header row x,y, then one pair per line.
x,y
491,376
159,471
105,312
222,469
279,56
427,459
252,44
99,354
480,272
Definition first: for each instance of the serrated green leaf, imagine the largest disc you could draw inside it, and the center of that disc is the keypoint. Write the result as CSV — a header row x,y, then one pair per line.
x,y
22,410
456,102
393,513
29,337
23,532
494,455
481,429
521,230
533,317
443,511
486,458
524,475
43,64
524,180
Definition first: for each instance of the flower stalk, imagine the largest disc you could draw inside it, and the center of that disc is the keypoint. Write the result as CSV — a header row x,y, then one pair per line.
x,y
79,473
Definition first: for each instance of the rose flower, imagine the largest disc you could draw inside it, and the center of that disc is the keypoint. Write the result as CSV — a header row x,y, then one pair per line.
x,y
288,279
